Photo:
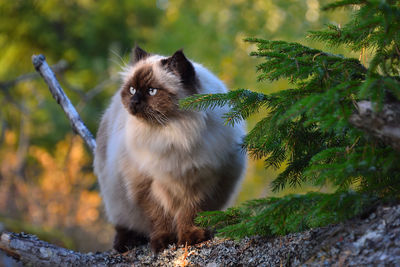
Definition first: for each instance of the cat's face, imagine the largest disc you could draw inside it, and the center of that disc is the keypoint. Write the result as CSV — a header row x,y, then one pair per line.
x,y
154,85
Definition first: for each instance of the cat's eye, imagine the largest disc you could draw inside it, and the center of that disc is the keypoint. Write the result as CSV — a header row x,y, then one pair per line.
x,y
132,90
152,91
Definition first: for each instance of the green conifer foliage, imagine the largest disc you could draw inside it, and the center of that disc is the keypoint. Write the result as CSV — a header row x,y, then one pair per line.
x,y
308,128
292,213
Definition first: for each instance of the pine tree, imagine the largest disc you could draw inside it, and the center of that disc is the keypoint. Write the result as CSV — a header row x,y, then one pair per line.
x,y
309,125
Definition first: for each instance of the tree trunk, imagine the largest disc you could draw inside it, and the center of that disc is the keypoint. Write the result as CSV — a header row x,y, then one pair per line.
x,y
383,124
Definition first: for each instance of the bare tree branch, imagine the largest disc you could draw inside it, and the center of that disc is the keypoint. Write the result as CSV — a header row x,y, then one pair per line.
x,y
45,71
58,67
32,251
87,96
383,124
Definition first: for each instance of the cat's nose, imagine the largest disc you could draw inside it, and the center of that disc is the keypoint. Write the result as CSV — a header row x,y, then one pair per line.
x,y
135,99
133,108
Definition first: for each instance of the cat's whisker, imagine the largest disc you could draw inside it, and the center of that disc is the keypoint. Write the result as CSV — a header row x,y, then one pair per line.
x,y
162,118
151,118
156,119
123,65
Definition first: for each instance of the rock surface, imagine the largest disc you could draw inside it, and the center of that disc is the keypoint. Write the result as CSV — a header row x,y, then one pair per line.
x,y
371,241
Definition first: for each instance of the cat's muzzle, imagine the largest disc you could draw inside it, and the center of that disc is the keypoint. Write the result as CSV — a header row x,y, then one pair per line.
x,y
135,104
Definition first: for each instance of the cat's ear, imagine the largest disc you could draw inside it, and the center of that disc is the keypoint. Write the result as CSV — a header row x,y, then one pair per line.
x,y
181,66
138,54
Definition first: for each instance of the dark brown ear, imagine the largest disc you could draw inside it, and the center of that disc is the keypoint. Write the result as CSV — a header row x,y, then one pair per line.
x,y
181,66
138,54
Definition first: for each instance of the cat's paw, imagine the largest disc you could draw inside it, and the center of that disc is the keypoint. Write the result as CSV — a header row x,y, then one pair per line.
x,y
160,241
127,239
193,236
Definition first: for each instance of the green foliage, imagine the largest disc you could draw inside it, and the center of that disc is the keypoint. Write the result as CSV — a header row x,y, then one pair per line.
x,y
292,213
375,25
243,103
307,127
95,39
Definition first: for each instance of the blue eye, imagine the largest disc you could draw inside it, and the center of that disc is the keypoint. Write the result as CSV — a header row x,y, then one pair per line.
x,y
152,91
132,90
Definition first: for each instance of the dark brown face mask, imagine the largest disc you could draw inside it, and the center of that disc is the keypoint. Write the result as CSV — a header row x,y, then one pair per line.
x,y
144,94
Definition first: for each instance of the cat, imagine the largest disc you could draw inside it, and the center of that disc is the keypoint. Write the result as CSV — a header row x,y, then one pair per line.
x,y
159,165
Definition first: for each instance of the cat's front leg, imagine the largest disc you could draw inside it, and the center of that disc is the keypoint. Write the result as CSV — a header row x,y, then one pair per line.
x,y
188,232
162,229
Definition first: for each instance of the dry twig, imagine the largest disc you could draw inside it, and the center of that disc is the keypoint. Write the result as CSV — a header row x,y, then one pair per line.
x,y
45,71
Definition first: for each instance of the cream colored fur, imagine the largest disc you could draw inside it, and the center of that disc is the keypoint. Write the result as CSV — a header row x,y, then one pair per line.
x,y
193,151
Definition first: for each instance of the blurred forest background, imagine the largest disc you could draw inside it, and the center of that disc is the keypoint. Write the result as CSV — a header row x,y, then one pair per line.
x,y
46,182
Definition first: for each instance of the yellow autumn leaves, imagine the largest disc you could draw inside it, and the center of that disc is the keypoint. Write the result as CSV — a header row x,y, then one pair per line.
x,y
59,191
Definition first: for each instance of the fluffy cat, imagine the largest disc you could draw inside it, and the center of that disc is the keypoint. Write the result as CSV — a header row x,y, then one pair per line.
x,y
158,165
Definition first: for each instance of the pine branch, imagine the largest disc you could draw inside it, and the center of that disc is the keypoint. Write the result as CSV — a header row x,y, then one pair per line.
x,y
297,62
374,25
343,3
292,213
79,127
242,103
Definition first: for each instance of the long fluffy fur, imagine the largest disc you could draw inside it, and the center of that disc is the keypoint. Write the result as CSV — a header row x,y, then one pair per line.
x,y
196,157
